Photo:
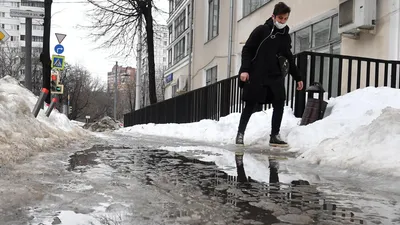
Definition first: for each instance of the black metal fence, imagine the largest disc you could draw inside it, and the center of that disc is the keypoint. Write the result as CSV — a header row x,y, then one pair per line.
x,y
339,74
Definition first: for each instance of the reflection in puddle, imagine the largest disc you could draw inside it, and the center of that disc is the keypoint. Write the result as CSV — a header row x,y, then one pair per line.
x,y
267,203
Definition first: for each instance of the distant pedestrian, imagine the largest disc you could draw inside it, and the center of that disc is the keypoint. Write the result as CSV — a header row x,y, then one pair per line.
x,y
266,60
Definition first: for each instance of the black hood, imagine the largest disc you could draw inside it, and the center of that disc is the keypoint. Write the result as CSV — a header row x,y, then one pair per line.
x,y
269,22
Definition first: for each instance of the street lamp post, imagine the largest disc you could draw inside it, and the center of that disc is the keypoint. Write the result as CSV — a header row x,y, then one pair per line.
x,y
115,90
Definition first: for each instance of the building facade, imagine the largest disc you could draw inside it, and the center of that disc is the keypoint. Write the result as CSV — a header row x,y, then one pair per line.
x,y
161,64
373,31
15,27
125,75
178,49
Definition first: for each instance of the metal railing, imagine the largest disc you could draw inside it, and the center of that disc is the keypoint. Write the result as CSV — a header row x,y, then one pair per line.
x,y
339,74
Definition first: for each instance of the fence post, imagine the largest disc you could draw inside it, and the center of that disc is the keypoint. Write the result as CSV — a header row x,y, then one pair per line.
x,y
394,75
225,97
300,96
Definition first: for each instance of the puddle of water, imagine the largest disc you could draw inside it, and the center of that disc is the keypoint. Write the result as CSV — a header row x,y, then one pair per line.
x,y
298,202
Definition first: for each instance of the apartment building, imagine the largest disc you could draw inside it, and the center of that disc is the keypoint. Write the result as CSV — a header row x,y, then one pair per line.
x,y
179,42
125,76
160,61
15,26
371,31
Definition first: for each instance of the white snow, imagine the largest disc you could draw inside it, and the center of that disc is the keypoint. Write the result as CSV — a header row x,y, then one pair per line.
x,y
360,131
21,134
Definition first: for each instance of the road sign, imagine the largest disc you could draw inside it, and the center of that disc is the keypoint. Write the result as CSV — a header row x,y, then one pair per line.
x,y
4,36
60,37
59,49
58,62
26,13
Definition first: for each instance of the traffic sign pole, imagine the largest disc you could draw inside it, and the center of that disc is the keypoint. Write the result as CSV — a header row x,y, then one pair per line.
x,y
28,15
28,53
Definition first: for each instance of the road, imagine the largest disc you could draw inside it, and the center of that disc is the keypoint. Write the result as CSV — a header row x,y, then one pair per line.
x,y
120,179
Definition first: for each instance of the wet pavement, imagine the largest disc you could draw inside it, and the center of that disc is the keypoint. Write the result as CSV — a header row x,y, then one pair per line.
x,y
140,182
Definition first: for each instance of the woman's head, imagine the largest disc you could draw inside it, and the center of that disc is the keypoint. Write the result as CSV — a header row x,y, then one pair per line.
x,y
281,14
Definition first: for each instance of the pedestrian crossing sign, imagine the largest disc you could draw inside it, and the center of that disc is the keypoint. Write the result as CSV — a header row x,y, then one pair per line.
x,y
58,62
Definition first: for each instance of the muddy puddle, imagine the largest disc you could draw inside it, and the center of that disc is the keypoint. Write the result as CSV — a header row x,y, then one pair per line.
x,y
242,199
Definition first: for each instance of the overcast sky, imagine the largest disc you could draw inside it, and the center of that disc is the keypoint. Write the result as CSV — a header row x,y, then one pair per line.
x,y
66,15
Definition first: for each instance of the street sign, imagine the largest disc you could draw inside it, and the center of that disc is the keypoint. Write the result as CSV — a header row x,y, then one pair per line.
x,y
26,13
4,36
60,37
59,49
58,62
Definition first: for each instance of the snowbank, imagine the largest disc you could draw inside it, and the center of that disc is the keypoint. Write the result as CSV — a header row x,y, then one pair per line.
x,y
372,147
21,134
360,131
105,124
348,112
222,131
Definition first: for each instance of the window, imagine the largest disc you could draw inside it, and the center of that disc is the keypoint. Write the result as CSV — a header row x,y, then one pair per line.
x,y
34,38
169,57
213,18
323,37
173,88
211,75
170,34
302,40
32,3
179,50
320,33
317,36
180,24
171,6
250,6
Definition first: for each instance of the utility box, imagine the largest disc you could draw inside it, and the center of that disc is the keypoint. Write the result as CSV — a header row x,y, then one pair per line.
x,y
315,107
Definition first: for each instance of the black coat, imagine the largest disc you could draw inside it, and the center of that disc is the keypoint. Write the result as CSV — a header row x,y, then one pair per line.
x,y
259,59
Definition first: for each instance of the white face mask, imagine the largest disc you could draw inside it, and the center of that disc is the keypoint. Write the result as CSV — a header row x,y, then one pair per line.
x,y
279,25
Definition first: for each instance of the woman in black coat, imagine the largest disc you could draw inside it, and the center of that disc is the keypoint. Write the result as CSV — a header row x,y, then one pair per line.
x,y
262,75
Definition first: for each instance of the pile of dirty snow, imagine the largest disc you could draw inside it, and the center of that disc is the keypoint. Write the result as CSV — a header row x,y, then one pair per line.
x,y
105,124
21,134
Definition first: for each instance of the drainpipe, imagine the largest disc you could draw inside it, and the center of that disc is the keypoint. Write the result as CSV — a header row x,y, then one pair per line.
x,y
189,83
230,38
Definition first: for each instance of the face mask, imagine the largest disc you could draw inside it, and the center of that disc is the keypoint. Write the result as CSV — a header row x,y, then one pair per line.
x,y
279,25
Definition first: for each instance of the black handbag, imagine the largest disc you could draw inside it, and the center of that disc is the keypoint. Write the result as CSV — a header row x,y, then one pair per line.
x,y
283,65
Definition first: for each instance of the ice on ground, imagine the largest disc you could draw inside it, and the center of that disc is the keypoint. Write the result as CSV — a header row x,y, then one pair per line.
x,y
21,134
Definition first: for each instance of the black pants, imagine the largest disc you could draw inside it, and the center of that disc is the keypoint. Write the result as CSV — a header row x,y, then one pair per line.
x,y
276,116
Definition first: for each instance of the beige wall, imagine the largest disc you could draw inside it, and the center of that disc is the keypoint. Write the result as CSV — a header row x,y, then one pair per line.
x,y
370,44
208,54
379,43
181,71
301,13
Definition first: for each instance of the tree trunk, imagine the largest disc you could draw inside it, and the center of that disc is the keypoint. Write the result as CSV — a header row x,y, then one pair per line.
x,y
150,47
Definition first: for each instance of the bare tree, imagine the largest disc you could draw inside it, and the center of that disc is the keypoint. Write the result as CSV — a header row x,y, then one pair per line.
x,y
85,93
117,23
128,95
10,61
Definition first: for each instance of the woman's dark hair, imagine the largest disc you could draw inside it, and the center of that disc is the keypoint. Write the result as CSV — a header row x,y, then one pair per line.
x,y
281,8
